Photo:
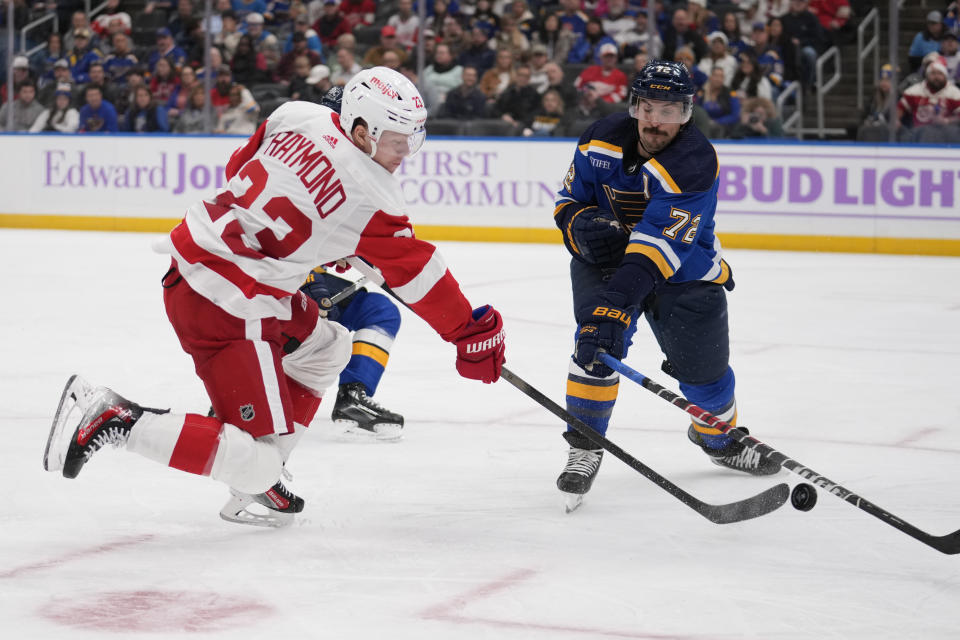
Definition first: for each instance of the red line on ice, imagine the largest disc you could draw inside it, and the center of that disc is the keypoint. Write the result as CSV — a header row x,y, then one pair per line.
x,y
75,555
450,612
915,436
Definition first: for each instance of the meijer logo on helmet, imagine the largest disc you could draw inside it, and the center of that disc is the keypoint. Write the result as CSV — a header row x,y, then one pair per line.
x,y
384,87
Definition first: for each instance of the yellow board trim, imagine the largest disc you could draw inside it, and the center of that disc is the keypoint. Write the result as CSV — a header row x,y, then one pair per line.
x,y
371,351
843,244
590,392
772,242
87,223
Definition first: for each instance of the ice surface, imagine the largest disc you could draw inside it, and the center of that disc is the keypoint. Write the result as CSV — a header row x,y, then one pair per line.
x,y
847,363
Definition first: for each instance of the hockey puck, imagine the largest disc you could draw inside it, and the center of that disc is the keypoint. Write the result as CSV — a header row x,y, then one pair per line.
x,y
803,497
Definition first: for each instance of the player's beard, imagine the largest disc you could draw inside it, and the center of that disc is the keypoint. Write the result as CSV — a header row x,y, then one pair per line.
x,y
653,139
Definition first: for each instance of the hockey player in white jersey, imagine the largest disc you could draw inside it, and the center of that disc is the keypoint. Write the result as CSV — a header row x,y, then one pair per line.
x,y
309,187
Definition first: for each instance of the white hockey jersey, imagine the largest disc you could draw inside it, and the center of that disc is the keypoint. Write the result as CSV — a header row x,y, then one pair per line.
x,y
300,194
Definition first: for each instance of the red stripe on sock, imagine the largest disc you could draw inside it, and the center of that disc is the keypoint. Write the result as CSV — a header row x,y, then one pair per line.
x,y
197,445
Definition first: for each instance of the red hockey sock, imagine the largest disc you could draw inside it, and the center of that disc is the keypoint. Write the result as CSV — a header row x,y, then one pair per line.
x,y
197,445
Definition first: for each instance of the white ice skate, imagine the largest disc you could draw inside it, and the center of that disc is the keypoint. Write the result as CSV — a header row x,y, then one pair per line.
x,y
277,507
78,395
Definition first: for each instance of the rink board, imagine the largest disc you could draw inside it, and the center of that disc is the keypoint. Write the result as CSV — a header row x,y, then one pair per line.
x,y
795,196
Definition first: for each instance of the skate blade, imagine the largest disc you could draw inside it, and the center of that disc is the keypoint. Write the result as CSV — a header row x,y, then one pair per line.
x,y
572,502
74,402
383,432
236,510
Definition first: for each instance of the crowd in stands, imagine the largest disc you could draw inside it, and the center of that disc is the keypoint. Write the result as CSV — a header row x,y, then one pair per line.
x,y
530,67
925,107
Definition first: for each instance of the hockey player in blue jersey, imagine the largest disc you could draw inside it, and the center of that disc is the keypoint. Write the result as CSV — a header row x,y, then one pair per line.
x,y
636,212
374,321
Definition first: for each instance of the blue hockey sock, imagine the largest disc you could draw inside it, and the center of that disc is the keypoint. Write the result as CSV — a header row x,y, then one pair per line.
x,y
590,398
717,398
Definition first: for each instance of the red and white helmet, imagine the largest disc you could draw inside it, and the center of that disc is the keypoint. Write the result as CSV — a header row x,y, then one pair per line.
x,y
387,101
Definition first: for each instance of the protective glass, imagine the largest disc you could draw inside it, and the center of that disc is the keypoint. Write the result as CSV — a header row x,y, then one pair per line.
x,y
660,111
402,145
415,140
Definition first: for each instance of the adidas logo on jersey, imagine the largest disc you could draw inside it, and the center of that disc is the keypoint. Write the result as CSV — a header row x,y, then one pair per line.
x,y
330,140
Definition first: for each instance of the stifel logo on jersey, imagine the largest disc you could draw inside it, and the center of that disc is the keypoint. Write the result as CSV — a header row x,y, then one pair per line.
x,y
489,343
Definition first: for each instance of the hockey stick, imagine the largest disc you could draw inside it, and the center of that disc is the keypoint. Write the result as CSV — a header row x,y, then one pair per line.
x,y
753,507
327,303
949,543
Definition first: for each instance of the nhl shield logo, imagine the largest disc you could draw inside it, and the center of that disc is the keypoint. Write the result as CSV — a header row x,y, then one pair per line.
x,y
247,413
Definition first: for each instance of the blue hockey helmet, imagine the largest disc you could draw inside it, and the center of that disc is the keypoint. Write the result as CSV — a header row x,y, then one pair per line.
x,y
332,98
663,81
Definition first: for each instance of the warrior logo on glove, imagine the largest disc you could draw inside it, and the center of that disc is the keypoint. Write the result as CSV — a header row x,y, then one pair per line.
x,y
489,343
480,346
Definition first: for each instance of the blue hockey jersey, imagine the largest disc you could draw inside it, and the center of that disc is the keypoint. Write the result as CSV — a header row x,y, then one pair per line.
x,y
667,203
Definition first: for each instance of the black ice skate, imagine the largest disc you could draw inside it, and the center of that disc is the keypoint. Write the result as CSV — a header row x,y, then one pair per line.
x,y
736,456
102,418
278,503
583,463
362,416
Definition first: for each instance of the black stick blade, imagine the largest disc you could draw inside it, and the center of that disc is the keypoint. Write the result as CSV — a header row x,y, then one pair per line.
x,y
948,544
753,507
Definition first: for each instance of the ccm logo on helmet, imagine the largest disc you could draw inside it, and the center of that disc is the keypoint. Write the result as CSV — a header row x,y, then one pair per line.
x,y
384,87
664,87
489,343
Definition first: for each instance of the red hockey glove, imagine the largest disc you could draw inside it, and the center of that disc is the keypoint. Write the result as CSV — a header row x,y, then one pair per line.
x,y
480,346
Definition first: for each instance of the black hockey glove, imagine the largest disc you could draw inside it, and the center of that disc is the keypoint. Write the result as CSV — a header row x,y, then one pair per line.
x,y
598,237
603,331
316,287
